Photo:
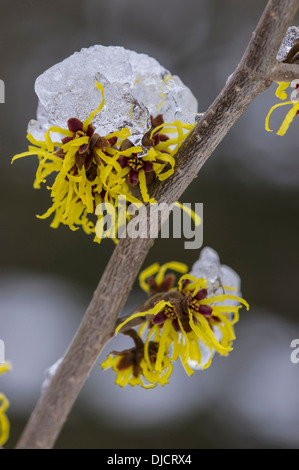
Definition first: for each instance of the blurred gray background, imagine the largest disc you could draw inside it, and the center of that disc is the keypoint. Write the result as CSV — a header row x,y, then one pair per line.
x,y
250,193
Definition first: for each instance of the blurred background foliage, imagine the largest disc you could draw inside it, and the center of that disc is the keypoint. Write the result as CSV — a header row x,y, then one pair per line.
x,y
249,189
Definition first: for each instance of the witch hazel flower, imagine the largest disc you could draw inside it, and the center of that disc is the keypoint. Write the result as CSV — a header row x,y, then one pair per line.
x,y
190,321
288,53
132,368
109,122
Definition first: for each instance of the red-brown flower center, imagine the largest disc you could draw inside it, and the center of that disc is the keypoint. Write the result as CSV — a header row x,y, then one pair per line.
x,y
169,312
135,163
79,134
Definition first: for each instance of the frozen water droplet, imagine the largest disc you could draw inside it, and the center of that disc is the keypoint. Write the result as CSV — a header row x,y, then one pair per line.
x,y
49,374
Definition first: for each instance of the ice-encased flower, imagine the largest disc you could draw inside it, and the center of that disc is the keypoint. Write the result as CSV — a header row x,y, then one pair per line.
x,y
136,86
193,320
101,127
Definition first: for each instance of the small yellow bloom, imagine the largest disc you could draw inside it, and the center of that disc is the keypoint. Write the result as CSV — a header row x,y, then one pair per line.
x,y
4,367
294,110
132,368
148,282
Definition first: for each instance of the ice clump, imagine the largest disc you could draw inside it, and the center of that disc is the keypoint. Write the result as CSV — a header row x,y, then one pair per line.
x,y
135,85
218,275
289,40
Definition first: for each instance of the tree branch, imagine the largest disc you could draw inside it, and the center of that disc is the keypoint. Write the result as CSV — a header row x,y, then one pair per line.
x,y
284,72
250,79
